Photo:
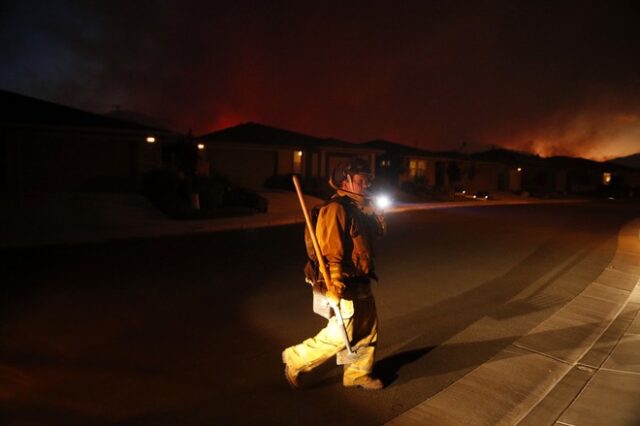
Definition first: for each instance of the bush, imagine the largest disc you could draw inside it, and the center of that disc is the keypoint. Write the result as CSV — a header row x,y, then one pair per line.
x,y
211,189
165,190
245,198
280,182
417,187
316,186
171,193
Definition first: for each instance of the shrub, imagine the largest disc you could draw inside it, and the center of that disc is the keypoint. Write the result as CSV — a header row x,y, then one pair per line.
x,y
171,193
246,198
163,188
311,185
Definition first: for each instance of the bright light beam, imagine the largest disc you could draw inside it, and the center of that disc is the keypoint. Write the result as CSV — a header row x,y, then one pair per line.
x,y
382,201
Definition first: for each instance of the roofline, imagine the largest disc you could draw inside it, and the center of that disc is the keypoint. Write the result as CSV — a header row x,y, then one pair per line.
x,y
117,123
104,130
270,147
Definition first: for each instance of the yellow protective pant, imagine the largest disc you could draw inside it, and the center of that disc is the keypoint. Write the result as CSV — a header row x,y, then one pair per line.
x,y
361,323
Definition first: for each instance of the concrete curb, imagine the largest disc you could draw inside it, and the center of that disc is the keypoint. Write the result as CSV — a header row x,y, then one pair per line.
x,y
505,389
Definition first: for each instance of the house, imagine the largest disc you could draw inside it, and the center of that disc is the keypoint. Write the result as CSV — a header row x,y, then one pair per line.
x,y
401,164
562,175
581,176
520,171
50,147
250,153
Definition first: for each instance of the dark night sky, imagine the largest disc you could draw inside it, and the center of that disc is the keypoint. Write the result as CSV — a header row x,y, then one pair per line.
x,y
551,77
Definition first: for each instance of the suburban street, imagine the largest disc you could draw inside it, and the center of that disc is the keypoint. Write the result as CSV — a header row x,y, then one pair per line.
x,y
189,329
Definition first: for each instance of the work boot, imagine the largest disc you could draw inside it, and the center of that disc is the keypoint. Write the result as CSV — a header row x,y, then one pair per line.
x,y
366,382
290,373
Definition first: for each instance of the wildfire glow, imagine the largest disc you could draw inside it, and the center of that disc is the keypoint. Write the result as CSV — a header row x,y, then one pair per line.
x,y
595,135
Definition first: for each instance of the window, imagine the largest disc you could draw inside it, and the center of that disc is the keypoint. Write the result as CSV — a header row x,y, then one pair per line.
x,y
417,168
297,162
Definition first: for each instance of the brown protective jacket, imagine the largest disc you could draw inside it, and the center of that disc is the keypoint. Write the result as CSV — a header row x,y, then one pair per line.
x,y
346,231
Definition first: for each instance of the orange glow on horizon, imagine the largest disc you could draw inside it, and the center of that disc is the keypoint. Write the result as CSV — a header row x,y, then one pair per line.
x,y
226,119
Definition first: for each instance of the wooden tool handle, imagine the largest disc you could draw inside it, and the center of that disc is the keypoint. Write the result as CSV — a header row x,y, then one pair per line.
x,y
312,233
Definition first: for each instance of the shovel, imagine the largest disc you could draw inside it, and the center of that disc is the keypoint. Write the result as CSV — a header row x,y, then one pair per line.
x,y
348,355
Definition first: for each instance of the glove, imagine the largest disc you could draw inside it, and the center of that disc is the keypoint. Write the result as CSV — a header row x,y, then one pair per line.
x,y
334,293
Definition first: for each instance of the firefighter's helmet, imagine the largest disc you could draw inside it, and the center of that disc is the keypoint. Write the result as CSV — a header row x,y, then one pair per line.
x,y
354,166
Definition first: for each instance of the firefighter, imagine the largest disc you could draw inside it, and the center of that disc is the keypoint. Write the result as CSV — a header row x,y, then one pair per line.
x,y
346,228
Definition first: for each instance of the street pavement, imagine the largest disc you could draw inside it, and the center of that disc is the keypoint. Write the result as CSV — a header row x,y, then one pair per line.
x,y
578,366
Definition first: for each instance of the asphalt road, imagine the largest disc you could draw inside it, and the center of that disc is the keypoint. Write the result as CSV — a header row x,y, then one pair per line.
x,y
189,330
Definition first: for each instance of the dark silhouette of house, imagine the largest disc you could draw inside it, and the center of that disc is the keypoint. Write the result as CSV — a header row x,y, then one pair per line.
x,y
401,165
50,147
564,175
250,153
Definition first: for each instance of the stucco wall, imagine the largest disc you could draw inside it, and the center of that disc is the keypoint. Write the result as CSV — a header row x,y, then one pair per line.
x,y
75,161
247,168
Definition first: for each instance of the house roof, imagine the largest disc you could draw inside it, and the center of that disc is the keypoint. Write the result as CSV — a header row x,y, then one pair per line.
x,y
573,162
255,133
400,149
16,109
506,156
514,158
632,161
396,148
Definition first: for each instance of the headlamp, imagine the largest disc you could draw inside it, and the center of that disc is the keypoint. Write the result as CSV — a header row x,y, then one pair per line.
x,y
382,201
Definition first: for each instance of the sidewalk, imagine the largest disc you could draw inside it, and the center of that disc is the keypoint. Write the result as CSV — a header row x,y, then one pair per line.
x,y
579,367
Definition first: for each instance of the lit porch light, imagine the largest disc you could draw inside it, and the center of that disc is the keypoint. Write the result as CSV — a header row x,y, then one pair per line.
x,y
299,153
606,178
200,146
151,139
519,169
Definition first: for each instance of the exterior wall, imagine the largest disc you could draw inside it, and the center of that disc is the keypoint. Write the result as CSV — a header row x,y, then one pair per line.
x,y
75,160
473,176
441,176
332,160
285,166
372,163
285,162
248,168
428,171
431,172
515,180
315,164
582,181
633,178
561,181
480,176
